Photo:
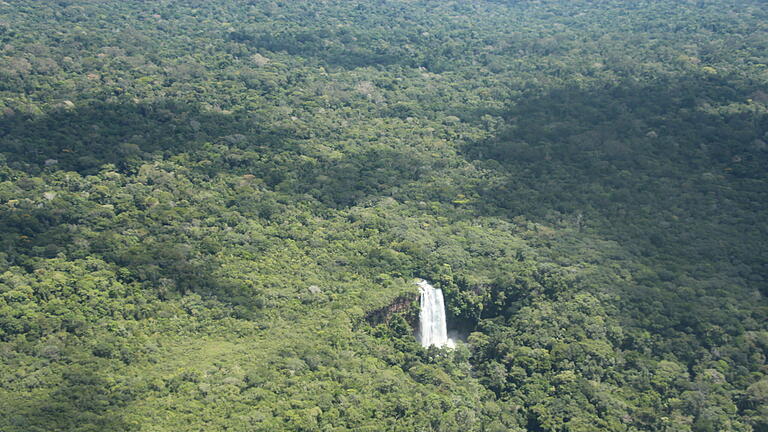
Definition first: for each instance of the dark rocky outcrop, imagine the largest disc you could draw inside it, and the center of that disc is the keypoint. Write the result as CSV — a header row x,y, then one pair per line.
x,y
404,304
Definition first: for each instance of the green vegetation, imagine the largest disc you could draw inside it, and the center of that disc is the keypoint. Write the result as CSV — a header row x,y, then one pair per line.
x,y
586,181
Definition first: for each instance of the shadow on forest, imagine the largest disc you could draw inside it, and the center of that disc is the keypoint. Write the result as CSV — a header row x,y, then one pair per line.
x,y
84,401
634,127
84,138
666,165
127,135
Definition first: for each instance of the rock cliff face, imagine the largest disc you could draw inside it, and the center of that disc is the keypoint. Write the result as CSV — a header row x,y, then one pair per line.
x,y
403,304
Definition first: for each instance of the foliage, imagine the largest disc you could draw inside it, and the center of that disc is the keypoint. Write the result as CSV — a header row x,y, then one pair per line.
x,y
202,201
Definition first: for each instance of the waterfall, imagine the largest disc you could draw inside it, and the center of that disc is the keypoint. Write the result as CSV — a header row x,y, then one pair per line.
x,y
432,326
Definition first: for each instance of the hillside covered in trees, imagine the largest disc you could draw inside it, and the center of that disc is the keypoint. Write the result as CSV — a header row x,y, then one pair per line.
x,y
212,213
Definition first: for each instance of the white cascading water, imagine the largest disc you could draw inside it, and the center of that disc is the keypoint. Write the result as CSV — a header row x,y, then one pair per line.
x,y
432,326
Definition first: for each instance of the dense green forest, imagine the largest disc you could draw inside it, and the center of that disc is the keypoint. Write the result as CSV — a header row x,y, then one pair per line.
x,y
203,205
